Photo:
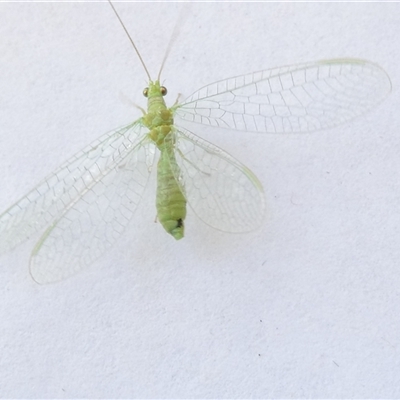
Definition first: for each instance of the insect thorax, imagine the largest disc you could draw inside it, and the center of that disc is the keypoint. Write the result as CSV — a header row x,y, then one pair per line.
x,y
160,124
160,135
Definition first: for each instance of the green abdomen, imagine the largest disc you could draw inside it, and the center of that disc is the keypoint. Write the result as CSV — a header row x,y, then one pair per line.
x,y
170,202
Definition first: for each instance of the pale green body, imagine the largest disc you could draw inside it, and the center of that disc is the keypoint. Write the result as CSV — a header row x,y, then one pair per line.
x,y
170,201
83,207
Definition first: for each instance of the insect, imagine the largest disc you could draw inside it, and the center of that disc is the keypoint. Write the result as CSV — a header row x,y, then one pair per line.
x,y
83,207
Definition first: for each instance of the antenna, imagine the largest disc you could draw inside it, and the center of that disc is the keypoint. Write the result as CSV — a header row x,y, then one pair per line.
x,y
129,36
174,35
171,41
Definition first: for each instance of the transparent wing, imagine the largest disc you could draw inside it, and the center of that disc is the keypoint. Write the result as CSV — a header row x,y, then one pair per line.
x,y
221,191
42,205
298,98
93,222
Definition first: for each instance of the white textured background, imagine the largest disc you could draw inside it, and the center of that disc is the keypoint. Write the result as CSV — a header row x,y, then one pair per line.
x,y
308,306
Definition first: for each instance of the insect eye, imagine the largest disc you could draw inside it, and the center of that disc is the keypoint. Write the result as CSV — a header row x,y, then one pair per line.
x,y
146,92
164,90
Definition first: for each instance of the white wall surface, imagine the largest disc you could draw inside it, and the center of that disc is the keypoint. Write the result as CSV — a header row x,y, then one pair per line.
x,y
305,307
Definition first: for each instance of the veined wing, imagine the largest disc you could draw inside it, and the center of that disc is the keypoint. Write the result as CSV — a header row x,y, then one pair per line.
x,y
298,98
91,223
221,191
43,205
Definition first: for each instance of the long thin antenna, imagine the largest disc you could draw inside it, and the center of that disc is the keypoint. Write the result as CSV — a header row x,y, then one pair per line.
x,y
174,35
129,36
171,41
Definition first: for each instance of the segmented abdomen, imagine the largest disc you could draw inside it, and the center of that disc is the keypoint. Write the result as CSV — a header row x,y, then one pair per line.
x,y
170,201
